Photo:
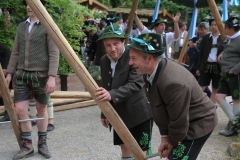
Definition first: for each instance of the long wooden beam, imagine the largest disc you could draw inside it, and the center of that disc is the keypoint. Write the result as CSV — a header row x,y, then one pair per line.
x,y
10,106
217,18
131,17
85,77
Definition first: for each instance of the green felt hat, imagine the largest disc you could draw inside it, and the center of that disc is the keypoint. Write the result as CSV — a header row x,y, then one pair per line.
x,y
182,23
156,22
150,43
233,22
113,31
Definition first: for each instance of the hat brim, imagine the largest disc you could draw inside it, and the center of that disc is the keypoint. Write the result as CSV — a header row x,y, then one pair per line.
x,y
155,24
112,35
137,46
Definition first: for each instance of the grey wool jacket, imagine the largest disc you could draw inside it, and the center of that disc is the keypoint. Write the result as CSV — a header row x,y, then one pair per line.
x,y
34,51
180,108
126,88
231,56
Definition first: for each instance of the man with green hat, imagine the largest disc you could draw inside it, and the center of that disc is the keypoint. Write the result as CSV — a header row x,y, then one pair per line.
x,y
184,115
230,68
177,45
159,27
124,89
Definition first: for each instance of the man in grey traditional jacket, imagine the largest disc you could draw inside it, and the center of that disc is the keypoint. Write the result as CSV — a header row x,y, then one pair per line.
x,y
230,68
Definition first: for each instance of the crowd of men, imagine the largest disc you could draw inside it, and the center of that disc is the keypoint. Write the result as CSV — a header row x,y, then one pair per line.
x,y
140,80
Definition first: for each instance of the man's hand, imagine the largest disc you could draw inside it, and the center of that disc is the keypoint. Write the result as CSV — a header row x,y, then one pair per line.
x,y
4,72
198,72
105,122
220,57
165,147
102,95
8,79
176,17
50,86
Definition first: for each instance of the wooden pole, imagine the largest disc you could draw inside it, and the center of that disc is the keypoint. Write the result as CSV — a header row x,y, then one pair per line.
x,y
61,101
74,105
131,18
184,48
217,18
10,106
85,77
70,94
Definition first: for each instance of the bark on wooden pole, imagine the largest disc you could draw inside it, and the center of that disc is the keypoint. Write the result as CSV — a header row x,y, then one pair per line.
x,y
131,18
217,18
10,106
85,77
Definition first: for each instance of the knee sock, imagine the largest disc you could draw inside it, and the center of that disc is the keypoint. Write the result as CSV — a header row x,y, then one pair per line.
x,y
50,109
127,158
227,109
32,108
236,109
42,133
26,135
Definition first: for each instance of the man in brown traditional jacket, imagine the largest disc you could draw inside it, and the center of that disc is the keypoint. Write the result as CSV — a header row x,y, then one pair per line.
x,y
184,114
124,89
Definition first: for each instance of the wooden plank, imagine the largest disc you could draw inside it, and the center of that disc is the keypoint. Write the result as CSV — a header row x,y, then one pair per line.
x,y
60,101
10,106
131,18
85,77
70,94
74,105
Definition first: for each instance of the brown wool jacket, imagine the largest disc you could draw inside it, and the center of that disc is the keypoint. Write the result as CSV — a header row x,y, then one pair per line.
x,y
34,51
127,91
180,108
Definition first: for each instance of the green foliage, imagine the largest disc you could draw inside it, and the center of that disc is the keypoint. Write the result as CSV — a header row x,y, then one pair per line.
x,y
95,72
236,123
67,15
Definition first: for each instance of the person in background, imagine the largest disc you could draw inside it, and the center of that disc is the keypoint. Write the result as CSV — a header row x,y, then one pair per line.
x,y
230,72
159,27
208,69
5,54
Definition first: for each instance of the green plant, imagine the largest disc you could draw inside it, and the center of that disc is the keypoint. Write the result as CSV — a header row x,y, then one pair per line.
x,y
236,123
95,72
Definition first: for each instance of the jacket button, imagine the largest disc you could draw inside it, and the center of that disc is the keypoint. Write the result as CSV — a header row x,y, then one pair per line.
x,y
109,72
108,84
148,102
116,99
147,89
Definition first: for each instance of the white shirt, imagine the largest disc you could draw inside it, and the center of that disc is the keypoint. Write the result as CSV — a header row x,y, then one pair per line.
x,y
151,77
113,63
169,39
181,39
234,36
31,24
213,53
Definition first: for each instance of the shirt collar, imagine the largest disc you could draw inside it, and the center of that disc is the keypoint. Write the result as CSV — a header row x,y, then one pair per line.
x,y
151,77
235,35
211,35
28,20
